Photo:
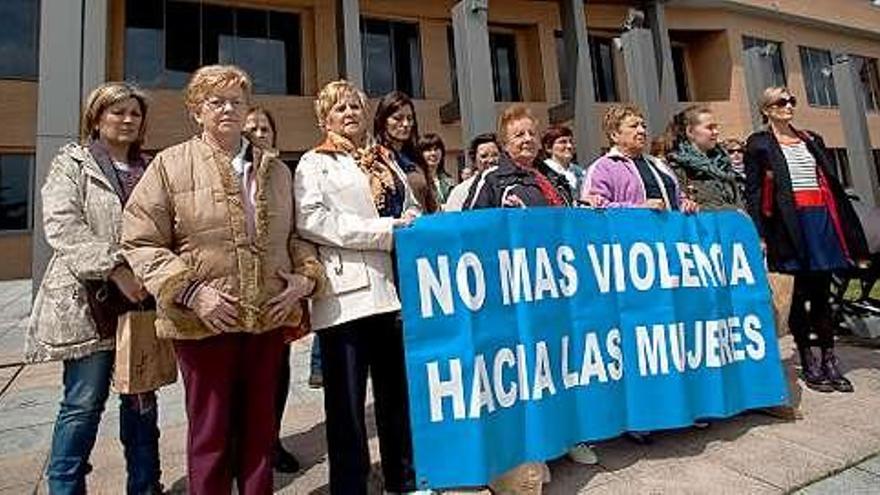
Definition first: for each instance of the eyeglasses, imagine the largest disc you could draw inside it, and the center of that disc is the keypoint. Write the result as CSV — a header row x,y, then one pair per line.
x,y
783,102
734,150
217,104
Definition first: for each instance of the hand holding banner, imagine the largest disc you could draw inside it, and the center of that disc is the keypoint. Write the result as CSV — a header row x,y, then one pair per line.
x,y
528,331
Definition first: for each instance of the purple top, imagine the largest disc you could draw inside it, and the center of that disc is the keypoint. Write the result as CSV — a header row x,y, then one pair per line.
x,y
615,178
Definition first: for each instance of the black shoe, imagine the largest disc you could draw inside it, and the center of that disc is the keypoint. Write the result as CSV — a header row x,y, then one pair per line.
x,y
640,437
283,461
812,373
831,370
316,380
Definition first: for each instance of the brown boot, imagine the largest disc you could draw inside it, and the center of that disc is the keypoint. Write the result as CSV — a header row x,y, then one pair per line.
x,y
812,373
831,370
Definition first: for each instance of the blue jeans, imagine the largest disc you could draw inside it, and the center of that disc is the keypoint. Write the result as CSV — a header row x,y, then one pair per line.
x,y
315,365
86,387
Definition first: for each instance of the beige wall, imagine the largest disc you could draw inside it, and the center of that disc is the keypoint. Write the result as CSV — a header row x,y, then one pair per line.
x,y
714,52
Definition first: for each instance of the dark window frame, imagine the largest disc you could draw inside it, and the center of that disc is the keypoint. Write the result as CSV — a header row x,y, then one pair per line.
x,y
681,71
29,194
605,90
780,71
840,166
818,76
508,40
869,75
207,51
395,34
37,5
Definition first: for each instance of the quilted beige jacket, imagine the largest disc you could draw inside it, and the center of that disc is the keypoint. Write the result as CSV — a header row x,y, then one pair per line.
x,y
82,217
185,222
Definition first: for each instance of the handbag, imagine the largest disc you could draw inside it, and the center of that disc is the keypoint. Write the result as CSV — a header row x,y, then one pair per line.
x,y
768,190
144,362
107,303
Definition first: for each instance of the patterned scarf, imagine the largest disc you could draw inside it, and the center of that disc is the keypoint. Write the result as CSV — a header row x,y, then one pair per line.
x,y
551,195
701,165
374,162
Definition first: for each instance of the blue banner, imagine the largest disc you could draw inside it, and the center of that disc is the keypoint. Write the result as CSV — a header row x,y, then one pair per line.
x,y
527,331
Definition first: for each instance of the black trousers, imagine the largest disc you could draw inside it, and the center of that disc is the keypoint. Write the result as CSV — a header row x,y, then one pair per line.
x,y
813,288
349,351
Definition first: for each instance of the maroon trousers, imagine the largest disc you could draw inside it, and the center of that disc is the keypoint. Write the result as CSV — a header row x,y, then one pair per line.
x,y
230,383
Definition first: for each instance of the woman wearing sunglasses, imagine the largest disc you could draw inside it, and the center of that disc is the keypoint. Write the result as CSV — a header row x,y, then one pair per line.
x,y
808,226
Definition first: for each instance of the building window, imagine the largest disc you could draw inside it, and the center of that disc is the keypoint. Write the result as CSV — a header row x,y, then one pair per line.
x,y
870,78
772,49
604,74
840,165
16,171
19,38
679,66
505,75
818,77
392,57
602,63
166,41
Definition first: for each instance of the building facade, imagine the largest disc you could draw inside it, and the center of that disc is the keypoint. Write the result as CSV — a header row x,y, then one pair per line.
x,y
52,54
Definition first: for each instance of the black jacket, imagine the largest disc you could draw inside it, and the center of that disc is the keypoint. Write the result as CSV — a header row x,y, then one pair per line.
x,y
781,230
495,183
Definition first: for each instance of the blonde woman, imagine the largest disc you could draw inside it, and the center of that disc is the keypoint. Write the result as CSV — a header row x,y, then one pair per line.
x,y
808,226
210,231
350,198
83,197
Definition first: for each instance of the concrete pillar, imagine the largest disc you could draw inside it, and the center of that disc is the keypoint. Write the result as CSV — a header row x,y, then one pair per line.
x,y
854,120
759,76
476,98
94,56
655,11
577,53
348,35
641,65
63,41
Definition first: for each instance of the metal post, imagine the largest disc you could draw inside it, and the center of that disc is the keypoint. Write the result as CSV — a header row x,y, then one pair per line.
x,y
476,97
348,41
58,106
644,88
655,11
851,101
577,57
759,76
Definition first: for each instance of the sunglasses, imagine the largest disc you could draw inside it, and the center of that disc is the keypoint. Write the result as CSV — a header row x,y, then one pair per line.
x,y
783,102
735,150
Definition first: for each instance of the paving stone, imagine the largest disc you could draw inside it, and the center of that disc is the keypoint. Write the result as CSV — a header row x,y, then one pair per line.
x,y
21,471
23,408
851,482
872,465
758,456
21,441
695,476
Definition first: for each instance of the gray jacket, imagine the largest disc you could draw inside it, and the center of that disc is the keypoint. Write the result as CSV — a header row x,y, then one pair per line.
x,y
82,217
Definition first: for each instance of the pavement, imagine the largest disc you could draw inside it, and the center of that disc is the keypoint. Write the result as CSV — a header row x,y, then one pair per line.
x,y
834,449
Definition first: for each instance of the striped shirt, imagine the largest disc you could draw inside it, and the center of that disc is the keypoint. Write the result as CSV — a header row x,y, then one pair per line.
x,y
801,167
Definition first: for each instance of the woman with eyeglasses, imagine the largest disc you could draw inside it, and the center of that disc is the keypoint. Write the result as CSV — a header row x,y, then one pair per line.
x,y
736,150
210,231
808,226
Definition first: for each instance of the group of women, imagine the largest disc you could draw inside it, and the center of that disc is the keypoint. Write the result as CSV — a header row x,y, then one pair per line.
x,y
242,255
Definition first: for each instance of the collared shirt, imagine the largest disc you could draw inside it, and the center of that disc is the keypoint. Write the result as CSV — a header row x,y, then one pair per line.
x,y
243,165
566,172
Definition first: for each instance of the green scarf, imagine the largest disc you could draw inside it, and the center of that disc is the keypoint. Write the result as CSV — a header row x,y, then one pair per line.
x,y
702,166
